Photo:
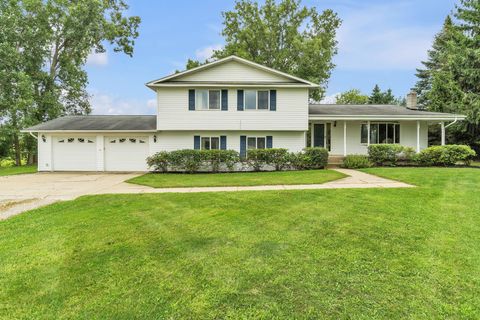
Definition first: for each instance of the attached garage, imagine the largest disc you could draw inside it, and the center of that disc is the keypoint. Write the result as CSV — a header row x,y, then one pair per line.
x,y
74,153
127,153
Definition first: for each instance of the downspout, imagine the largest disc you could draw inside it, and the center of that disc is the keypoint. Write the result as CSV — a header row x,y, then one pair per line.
x,y
454,121
30,132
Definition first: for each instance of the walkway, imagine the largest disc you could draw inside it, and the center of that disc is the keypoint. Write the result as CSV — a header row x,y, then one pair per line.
x,y
20,193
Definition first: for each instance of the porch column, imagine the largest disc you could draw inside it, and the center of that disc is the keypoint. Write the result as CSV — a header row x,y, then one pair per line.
x,y
312,127
344,138
418,136
442,125
368,133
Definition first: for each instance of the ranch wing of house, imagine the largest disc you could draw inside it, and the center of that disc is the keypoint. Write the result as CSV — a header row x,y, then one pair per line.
x,y
234,104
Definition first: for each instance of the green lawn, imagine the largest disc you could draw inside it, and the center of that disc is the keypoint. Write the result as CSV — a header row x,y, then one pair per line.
x,y
475,164
7,171
171,180
410,253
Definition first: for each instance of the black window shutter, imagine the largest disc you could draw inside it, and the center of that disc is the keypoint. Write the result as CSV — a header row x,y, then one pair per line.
x,y
243,146
223,142
196,142
224,100
191,99
240,100
273,100
269,142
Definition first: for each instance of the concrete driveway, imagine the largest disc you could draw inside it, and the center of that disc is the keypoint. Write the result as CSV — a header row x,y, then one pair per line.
x,y
23,192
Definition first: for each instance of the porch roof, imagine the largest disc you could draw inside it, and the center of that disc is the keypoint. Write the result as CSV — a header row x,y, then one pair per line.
x,y
374,112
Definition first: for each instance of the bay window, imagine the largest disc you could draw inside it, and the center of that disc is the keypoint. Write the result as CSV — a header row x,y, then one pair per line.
x,y
386,132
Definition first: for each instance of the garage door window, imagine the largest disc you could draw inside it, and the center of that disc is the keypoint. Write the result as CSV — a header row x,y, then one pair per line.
x,y
71,140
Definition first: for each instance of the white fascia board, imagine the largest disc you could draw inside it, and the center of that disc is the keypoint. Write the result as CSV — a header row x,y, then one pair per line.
x,y
230,85
88,131
229,58
377,117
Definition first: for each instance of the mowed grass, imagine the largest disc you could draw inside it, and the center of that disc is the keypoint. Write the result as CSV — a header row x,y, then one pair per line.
x,y
171,180
7,171
409,253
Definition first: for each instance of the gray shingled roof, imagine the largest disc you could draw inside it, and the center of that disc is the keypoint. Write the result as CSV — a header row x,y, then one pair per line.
x,y
99,123
365,110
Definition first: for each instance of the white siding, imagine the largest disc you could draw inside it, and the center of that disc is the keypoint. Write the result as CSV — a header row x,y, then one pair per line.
x,y
408,136
44,153
291,113
175,140
233,71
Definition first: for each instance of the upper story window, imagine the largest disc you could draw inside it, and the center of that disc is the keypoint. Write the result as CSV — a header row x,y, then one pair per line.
x,y
256,99
381,133
207,99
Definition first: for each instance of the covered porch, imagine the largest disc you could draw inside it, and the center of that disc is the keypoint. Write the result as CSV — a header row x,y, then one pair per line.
x,y
350,129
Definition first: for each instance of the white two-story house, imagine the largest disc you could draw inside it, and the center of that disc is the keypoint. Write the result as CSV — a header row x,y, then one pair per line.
x,y
234,104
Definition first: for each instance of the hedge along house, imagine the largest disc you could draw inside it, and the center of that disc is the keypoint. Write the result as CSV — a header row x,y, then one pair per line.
x,y
231,103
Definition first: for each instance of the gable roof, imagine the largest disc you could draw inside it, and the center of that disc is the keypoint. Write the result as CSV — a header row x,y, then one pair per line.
x,y
375,111
176,76
143,123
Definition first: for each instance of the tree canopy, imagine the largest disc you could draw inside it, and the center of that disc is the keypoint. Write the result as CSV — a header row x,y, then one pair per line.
x,y
285,36
353,96
450,78
44,45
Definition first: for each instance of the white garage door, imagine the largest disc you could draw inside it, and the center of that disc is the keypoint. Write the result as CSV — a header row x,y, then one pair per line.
x,y
74,153
126,153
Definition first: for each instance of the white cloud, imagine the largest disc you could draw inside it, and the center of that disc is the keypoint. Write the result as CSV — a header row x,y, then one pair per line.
x,y
207,52
104,103
97,59
372,38
330,99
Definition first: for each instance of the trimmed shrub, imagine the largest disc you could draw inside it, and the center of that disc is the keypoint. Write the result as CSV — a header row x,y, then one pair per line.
x,y
447,155
408,153
356,161
315,158
217,158
297,160
159,161
256,158
278,158
186,160
385,154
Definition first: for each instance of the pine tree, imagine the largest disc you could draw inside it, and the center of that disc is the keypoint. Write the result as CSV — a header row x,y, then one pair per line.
x,y
376,96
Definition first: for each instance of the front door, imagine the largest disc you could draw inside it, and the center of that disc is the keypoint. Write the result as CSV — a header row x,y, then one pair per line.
x,y
319,135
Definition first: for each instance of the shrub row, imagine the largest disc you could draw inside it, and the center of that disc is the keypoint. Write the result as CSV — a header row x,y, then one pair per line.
x,y
216,160
391,154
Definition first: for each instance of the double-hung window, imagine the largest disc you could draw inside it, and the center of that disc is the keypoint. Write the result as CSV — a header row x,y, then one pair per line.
x,y
207,99
210,143
256,143
256,99
381,133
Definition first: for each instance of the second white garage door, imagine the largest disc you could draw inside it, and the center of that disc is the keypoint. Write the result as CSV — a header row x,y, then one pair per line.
x,y
126,153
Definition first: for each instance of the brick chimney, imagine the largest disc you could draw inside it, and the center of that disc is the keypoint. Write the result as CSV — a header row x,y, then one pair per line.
x,y
412,100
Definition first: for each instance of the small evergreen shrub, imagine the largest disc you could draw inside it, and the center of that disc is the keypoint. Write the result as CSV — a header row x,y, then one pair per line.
x,y
448,155
315,158
356,161
159,161
385,154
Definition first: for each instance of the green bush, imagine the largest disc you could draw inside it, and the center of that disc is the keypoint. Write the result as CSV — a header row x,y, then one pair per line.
x,y
257,158
356,161
447,155
385,154
315,158
186,160
297,160
277,157
159,161
217,158
7,162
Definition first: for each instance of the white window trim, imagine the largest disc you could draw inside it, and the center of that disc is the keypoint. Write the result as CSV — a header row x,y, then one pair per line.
x,y
256,141
369,130
208,100
210,139
256,100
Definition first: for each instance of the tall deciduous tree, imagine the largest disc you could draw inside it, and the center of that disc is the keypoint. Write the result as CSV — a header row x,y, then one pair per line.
x,y
353,96
285,36
45,57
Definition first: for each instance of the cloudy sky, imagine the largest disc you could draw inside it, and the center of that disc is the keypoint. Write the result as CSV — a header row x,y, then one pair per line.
x,y
380,41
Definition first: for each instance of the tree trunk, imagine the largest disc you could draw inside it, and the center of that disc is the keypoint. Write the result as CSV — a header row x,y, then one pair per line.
x,y
16,146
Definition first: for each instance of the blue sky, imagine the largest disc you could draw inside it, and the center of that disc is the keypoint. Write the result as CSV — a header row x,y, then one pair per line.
x,y
380,41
